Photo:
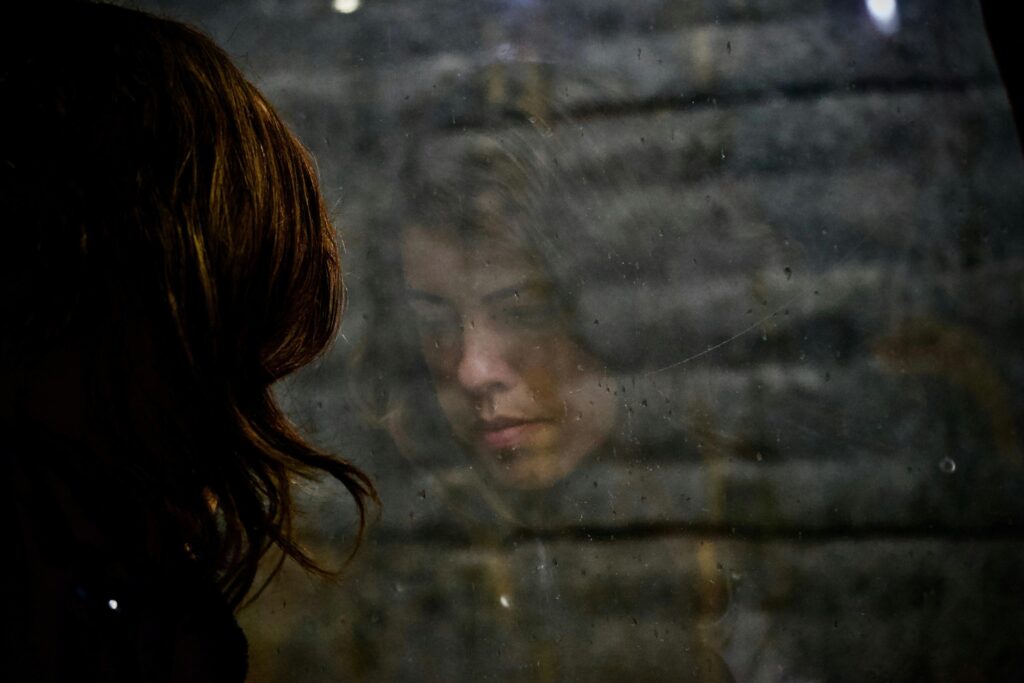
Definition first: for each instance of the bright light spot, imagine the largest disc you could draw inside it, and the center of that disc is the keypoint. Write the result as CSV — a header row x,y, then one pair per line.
x,y
883,10
346,6
883,14
504,601
112,604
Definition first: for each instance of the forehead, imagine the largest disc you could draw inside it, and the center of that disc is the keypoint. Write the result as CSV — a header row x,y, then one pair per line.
x,y
456,269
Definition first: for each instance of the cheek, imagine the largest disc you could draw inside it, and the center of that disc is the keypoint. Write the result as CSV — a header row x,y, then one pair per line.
x,y
438,364
548,365
440,352
545,386
456,405
441,360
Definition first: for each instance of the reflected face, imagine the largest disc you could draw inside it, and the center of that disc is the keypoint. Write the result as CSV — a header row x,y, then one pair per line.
x,y
516,389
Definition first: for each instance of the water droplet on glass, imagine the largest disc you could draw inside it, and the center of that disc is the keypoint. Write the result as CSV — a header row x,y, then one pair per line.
x,y
947,465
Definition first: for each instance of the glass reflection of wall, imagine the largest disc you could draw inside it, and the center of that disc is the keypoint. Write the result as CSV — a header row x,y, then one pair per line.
x,y
529,302
543,309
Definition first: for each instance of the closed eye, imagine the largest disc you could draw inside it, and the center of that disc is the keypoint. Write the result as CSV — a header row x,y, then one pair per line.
x,y
538,314
433,316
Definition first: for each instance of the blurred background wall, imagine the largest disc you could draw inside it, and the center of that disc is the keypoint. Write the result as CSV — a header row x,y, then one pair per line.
x,y
848,501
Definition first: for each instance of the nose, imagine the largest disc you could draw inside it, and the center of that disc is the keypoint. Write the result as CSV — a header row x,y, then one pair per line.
x,y
484,364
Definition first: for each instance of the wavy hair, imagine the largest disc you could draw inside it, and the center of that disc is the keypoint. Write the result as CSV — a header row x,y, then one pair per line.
x,y
637,263
165,226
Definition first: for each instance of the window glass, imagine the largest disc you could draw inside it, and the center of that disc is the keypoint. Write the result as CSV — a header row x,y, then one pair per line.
x,y
683,339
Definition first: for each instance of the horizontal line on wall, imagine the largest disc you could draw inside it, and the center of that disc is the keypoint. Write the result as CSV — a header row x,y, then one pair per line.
x,y
710,99
455,536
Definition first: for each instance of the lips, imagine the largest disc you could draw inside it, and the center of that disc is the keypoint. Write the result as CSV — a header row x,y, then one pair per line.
x,y
507,433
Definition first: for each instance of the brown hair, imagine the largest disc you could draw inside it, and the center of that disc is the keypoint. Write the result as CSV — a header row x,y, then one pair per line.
x,y
524,184
166,228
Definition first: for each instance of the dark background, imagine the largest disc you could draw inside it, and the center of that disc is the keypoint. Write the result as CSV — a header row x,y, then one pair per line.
x,y
847,500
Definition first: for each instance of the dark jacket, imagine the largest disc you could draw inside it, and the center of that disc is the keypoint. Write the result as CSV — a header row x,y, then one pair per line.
x,y
94,589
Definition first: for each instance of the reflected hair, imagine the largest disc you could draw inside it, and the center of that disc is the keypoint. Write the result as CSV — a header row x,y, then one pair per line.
x,y
528,186
581,220
637,260
470,192
166,228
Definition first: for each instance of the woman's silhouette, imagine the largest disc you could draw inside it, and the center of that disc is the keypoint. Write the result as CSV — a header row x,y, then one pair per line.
x,y
167,258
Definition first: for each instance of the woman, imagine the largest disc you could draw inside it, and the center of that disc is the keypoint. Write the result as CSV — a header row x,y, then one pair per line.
x,y
548,297
528,307
525,397
167,259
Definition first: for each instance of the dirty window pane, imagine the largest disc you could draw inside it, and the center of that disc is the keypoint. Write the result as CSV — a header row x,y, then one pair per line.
x,y
682,339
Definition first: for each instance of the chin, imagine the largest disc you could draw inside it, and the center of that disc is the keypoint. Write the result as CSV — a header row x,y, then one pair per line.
x,y
523,472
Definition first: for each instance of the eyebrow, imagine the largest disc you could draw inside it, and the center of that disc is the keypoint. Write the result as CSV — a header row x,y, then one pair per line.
x,y
426,297
532,285
525,286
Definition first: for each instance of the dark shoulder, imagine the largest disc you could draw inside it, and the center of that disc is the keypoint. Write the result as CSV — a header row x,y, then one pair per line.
x,y
85,600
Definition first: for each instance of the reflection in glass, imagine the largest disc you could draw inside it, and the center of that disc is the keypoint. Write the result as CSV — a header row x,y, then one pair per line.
x,y
782,237
517,390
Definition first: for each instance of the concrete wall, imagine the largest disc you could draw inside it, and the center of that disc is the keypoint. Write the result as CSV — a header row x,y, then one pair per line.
x,y
840,492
